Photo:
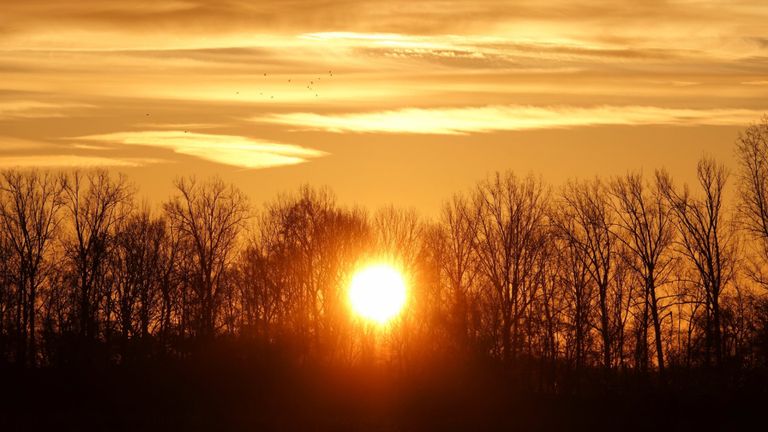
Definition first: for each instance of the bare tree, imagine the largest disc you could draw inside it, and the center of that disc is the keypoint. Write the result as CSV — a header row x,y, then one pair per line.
x,y
510,219
452,246
96,202
169,284
400,239
399,235
623,298
586,221
578,292
136,271
29,214
261,288
646,230
6,295
208,217
752,154
547,318
706,241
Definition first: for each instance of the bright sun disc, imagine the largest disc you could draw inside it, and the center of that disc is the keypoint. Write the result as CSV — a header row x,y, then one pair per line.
x,y
377,293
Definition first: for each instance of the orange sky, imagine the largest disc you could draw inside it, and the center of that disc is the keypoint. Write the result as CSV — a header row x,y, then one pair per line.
x,y
384,101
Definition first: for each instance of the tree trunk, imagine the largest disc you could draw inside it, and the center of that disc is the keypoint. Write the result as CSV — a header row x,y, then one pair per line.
x,y
656,326
605,328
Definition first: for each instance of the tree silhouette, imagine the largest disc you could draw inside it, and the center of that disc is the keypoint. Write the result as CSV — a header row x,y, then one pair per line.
x,y
95,203
706,241
645,223
620,283
29,214
586,204
208,217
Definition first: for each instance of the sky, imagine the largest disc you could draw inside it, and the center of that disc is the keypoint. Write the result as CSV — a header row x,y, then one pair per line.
x,y
386,102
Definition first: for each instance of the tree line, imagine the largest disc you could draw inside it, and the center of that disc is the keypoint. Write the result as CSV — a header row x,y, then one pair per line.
x,y
632,273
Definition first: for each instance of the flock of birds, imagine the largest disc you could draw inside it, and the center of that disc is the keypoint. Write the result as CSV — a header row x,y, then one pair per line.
x,y
311,87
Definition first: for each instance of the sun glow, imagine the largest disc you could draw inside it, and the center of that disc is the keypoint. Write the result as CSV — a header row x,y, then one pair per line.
x,y
378,293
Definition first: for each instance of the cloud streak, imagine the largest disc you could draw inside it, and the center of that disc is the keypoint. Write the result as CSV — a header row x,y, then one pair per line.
x,y
466,120
237,151
72,161
35,109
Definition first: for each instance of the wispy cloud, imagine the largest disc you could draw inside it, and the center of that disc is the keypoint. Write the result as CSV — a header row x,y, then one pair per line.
x,y
70,161
16,144
35,109
230,150
464,120
177,126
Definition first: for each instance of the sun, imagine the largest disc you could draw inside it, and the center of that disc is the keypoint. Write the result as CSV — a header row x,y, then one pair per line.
x,y
378,293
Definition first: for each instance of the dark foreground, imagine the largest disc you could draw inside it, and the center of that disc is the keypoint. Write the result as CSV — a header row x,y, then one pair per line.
x,y
248,395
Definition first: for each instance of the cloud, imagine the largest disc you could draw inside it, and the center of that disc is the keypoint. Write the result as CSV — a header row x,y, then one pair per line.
x,y
489,51
70,161
426,17
22,153
177,126
464,120
15,144
35,109
230,150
